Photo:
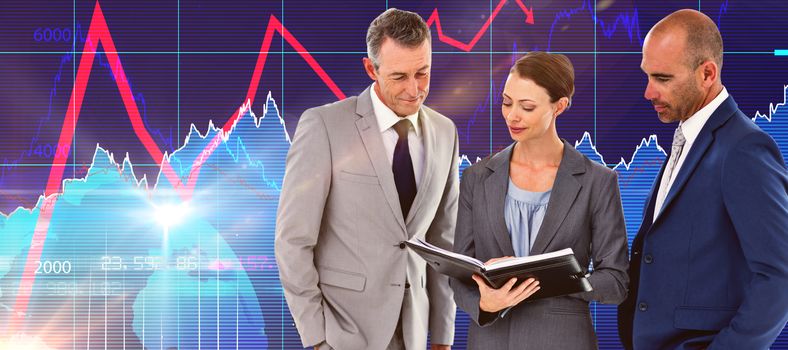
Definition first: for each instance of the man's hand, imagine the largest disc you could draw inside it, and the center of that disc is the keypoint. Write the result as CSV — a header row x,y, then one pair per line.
x,y
440,347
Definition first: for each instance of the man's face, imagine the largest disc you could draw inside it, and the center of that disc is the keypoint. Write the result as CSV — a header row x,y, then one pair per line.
x,y
402,76
674,88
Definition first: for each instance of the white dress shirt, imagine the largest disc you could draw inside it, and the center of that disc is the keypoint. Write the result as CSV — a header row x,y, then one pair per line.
x,y
386,120
690,128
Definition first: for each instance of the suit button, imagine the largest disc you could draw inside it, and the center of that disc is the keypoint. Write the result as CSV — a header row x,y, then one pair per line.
x,y
402,245
407,285
648,259
642,306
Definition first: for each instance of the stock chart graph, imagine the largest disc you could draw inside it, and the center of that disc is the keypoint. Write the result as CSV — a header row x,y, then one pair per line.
x,y
144,143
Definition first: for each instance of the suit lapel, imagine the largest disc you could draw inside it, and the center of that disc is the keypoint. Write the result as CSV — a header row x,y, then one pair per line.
x,y
428,139
495,187
369,130
565,190
699,147
693,158
651,200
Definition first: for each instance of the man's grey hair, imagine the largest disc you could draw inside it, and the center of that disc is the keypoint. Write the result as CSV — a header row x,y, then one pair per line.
x,y
404,27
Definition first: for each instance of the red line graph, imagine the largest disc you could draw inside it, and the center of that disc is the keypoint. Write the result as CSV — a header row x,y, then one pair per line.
x,y
435,18
98,32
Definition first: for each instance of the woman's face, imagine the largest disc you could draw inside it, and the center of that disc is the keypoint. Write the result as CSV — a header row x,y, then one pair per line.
x,y
527,109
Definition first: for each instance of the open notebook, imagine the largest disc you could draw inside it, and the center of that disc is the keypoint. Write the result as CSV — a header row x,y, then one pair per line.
x,y
558,272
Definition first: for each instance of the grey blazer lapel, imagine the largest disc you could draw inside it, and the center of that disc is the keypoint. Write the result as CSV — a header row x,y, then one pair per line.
x,y
565,190
495,187
428,139
369,130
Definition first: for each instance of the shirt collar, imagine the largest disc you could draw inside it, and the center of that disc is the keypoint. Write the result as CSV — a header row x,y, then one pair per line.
x,y
692,126
386,117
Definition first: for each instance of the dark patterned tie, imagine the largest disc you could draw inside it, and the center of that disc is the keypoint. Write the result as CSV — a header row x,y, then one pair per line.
x,y
402,166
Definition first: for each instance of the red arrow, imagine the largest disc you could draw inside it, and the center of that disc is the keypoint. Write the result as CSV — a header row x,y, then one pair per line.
x,y
435,18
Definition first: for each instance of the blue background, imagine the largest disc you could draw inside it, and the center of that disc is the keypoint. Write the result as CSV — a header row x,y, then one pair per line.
x,y
189,65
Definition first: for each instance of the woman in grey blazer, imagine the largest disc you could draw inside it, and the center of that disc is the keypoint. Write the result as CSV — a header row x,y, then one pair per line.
x,y
536,196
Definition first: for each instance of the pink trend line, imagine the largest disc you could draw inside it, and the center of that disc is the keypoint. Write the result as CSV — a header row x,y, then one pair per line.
x,y
435,18
99,33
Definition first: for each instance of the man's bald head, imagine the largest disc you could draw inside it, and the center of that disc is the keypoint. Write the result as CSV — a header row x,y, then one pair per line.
x,y
702,38
682,57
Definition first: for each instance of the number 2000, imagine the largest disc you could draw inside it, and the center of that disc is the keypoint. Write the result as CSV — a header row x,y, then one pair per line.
x,y
53,267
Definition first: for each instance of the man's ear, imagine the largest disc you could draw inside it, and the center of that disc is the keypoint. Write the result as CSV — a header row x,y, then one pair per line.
x,y
710,73
369,67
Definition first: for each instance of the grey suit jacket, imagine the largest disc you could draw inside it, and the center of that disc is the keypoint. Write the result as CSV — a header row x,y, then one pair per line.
x,y
584,213
339,231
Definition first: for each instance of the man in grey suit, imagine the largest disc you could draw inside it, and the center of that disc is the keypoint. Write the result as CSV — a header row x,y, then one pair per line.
x,y
363,175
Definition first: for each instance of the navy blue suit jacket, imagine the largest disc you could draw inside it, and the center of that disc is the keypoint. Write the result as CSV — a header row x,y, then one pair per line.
x,y
712,270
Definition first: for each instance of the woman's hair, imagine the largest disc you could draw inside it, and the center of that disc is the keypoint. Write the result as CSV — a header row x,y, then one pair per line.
x,y
553,72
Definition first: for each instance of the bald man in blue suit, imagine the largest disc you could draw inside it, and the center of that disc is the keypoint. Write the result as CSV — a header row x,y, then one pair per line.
x,y
709,265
